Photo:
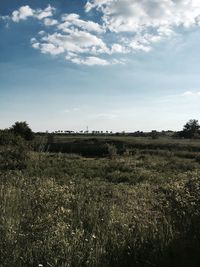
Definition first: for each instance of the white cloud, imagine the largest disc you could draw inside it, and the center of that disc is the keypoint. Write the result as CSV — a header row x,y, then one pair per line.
x,y
75,42
105,116
95,4
125,26
74,20
45,13
50,22
141,23
41,32
25,12
90,61
81,41
191,93
187,93
118,48
47,48
139,47
80,47
22,13
165,30
135,15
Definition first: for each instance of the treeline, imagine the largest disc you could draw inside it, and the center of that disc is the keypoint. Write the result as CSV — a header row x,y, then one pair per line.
x,y
190,130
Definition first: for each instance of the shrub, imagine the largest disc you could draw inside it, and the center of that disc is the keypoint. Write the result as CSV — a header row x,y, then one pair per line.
x,y
22,129
13,151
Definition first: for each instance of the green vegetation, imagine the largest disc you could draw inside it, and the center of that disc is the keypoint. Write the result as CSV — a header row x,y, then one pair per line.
x,y
106,201
22,129
191,129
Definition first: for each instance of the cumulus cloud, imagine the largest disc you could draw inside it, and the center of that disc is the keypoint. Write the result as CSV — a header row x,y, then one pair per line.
x,y
75,41
47,12
50,22
22,14
134,15
49,48
150,20
95,4
76,45
74,20
25,12
78,39
141,23
125,26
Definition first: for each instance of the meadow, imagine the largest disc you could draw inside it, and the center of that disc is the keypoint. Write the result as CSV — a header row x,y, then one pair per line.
x,y
70,201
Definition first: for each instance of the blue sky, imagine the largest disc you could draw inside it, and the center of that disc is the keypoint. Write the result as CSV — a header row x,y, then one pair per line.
x,y
109,65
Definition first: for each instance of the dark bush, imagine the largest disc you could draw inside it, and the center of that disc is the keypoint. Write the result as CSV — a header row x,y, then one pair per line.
x,y
22,129
13,151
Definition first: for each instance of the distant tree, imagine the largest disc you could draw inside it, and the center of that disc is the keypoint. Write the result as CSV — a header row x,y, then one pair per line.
x,y
191,129
22,129
154,134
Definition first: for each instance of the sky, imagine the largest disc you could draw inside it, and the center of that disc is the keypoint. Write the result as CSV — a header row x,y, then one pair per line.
x,y
116,65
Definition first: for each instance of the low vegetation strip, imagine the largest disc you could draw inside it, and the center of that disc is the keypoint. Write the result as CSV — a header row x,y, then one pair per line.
x,y
98,146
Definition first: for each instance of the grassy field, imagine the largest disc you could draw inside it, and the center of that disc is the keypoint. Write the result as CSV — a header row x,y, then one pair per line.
x,y
106,201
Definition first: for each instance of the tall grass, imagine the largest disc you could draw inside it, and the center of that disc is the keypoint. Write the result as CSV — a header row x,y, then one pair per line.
x,y
137,209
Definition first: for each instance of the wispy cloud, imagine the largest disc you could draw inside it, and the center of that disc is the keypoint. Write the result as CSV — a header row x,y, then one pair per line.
x,y
75,109
105,116
4,18
191,93
90,61
69,20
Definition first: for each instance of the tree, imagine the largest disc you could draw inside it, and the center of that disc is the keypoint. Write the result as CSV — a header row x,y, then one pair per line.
x,y
154,134
22,129
190,129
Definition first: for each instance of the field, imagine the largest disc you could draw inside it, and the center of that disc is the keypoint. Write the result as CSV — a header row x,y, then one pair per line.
x,y
100,201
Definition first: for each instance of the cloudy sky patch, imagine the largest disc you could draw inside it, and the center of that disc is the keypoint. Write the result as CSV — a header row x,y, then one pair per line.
x,y
135,26
139,58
